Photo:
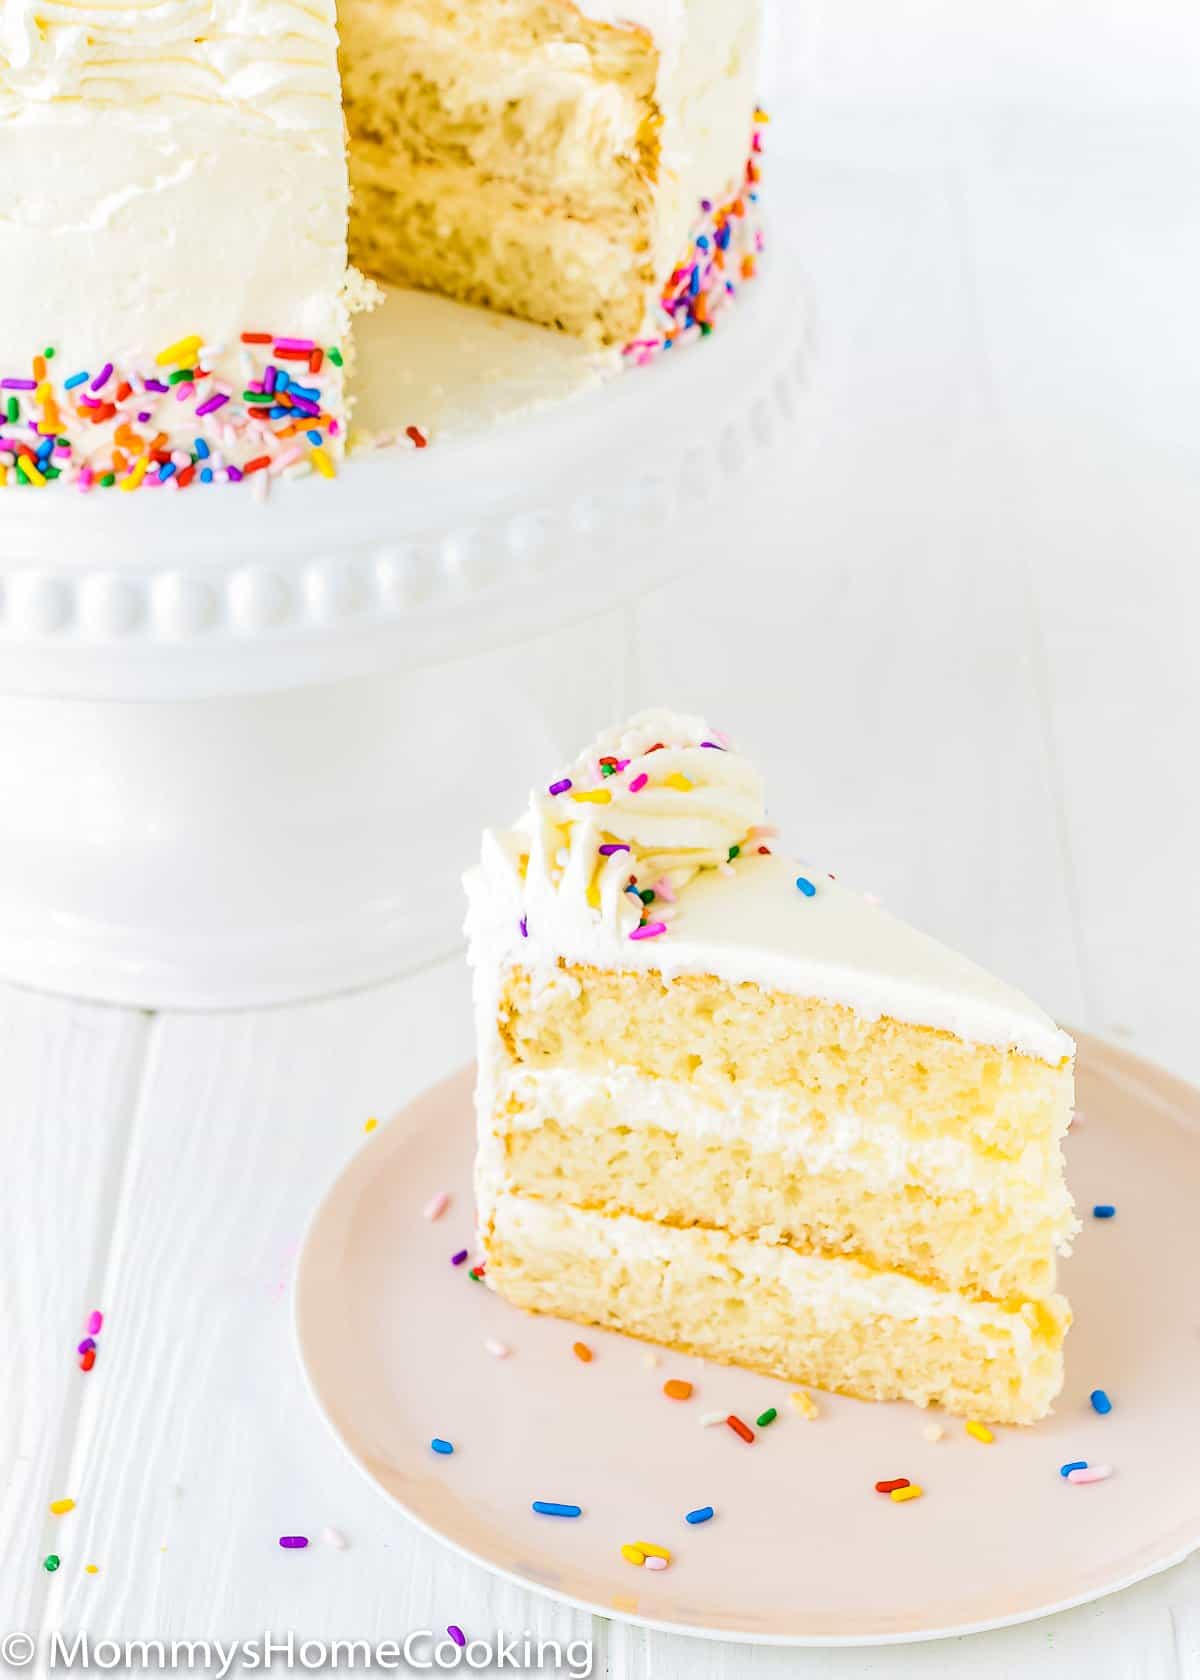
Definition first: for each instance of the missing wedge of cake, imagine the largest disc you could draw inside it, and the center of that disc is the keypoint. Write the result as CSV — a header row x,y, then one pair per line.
x,y
728,1105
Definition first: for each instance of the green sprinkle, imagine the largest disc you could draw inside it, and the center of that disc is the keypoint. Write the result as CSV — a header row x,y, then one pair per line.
x,y
107,481
13,411
181,376
335,355
51,1563
21,475
734,851
474,1276
607,769
48,352
51,472
258,399
764,1418
647,895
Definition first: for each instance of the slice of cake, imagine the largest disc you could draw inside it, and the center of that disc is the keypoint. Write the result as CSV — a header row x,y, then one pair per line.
x,y
581,165
173,243
730,1106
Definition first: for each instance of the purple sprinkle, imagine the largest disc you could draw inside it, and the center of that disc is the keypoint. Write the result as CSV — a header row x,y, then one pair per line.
x,y
269,378
457,1634
457,1259
102,378
613,848
155,385
560,787
234,474
650,930
86,1345
715,745
524,927
143,417
293,1542
18,384
211,405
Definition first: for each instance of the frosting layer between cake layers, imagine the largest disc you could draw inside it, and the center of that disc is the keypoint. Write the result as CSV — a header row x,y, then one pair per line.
x,y
176,177
685,1054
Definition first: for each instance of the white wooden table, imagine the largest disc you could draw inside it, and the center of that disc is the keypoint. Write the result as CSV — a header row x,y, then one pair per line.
x,y
957,623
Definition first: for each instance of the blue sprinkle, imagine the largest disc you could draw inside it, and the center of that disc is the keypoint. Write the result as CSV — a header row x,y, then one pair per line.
x,y
1100,1401
694,282
44,448
166,471
281,380
546,1508
75,379
279,412
806,886
1103,1210
206,475
440,1446
1065,1470
702,243
702,1514
315,438
201,448
307,393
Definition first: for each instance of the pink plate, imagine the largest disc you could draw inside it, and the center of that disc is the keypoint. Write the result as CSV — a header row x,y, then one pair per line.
x,y
801,1550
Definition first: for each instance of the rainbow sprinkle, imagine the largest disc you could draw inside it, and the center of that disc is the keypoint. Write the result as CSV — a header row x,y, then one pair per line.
x,y
726,243
181,420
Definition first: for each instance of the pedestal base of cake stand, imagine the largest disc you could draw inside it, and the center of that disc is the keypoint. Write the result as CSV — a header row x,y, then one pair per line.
x,y
246,749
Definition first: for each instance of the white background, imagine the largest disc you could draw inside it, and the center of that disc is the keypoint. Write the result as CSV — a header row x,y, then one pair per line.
x,y
955,619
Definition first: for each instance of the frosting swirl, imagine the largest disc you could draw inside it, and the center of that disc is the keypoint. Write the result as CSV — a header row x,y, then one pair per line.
x,y
619,834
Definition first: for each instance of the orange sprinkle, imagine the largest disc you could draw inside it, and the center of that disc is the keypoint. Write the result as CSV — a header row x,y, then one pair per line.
x,y
315,361
676,1389
740,1428
417,436
257,465
124,389
39,368
582,1351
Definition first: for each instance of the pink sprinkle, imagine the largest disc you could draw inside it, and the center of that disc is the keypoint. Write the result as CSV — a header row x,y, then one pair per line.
x,y
638,783
436,1206
294,344
655,1563
664,890
651,930
95,1322
1093,1473
498,1350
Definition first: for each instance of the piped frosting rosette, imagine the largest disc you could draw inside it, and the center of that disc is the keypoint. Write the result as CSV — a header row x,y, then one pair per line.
x,y
615,839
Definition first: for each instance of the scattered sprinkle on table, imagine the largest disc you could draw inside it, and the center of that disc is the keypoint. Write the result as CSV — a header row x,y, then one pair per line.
x,y
436,1206
708,1419
1091,1473
457,1634
440,1446
60,1507
582,1352
648,1552
650,1360
88,1360
677,1389
51,1563
806,886
979,1432
335,1538
370,1125
1104,1210
801,1401
702,1514
293,1542
457,1259
1065,1470
891,1487
764,1418
1100,1401
91,1569
95,1322
740,1428
548,1508
656,1562
933,1432
633,1556
498,1350
902,1494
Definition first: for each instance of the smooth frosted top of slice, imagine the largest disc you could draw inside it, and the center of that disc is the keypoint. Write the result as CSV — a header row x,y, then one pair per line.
x,y
546,889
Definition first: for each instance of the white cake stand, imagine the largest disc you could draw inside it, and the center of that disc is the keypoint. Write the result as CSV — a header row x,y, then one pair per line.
x,y
246,746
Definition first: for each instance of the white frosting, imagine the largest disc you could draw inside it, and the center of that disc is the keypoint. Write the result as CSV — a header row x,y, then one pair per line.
x,y
878,1151
750,924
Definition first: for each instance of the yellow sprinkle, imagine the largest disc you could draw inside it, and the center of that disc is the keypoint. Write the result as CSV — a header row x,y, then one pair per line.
x,y
901,1494
980,1431
370,1125
321,461
675,780
761,117
594,796
648,1550
137,475
593,896
3,476
801,1402
31,472
182,352
60,1507
44,392
91,1569
633,1555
